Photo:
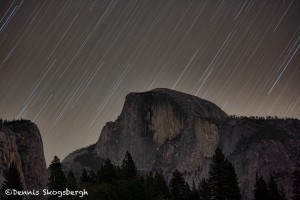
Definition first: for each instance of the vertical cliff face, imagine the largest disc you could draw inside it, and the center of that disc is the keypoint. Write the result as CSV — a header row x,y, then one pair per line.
x,y
8,152
163,129
168,130
266,147
20,142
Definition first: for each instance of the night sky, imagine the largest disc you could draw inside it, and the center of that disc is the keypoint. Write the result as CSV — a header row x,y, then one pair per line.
x,y
67,65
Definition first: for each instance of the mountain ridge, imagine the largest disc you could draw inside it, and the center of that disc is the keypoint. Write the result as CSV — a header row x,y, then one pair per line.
x,y
189,103
21,142
168,130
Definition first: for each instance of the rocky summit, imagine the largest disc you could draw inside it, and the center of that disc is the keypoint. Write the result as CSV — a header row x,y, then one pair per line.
x,y
168,130
21,143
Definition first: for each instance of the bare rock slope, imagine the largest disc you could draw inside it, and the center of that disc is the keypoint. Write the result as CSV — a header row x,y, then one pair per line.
x,y
166,129
20,142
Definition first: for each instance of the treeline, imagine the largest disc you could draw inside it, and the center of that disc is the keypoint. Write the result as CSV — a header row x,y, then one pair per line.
x,y
15,121
124,182
262,118
268,191
15,125
113,182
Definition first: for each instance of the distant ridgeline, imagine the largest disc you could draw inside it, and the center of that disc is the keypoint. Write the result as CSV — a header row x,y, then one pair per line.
x,y
166,130
21,144
262,117
16,125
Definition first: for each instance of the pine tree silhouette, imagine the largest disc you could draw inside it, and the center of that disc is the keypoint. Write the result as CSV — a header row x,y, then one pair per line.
x,y
13,181
57,179
84,176
128,167
177,186
204,190
273,190
222,180
149,186
195,193
71,181
161,189
107,172
261,189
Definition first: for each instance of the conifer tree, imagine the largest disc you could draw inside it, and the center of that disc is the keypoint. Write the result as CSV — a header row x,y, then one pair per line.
x,y
231,182
128,167
13,181
195,193
161,189
92,177
149,186
84,176
57,179
187,192
71,181
177,186
216,171
261,189
204,190
222,178
273,190
107,172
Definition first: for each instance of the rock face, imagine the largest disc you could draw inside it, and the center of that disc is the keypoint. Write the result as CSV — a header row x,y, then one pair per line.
x,y
168,130
20,142
264,146
163,129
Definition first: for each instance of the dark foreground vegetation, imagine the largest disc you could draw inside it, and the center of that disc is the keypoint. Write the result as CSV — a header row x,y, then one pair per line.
x,y
112,182
124,182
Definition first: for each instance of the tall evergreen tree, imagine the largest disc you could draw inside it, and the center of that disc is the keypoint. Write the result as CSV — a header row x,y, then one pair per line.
x,y
268,191
71,181
261,189
57,179
204,190
128,167
273,190
161,189
222,178
187,192
13,181
177,186
107,172
149,186
216,172
92,178
231,182
195,193
84,176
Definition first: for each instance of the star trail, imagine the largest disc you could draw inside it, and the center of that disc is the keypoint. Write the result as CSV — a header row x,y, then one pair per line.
x,y
67,65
